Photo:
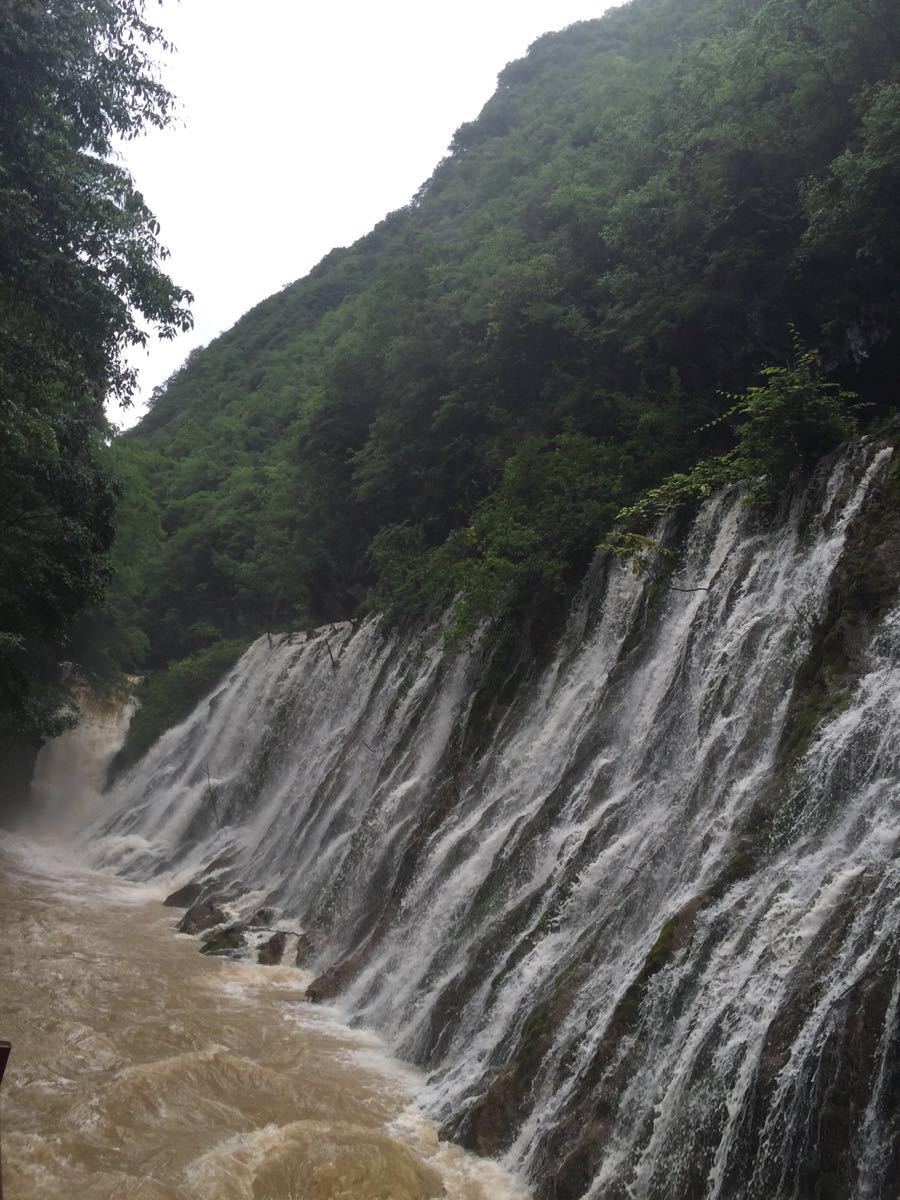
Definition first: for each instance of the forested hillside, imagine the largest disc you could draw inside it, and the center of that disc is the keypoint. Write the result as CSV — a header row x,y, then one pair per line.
x,y
653,207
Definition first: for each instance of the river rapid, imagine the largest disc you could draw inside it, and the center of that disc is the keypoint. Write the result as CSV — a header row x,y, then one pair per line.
x,y
142,1070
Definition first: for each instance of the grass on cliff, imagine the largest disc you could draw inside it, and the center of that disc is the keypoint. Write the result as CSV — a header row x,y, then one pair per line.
x,y
166,697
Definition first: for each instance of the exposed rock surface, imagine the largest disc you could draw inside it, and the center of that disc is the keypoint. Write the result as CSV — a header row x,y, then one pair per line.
x,y
261,918
185,896
271,953
223,941
200,917
305,949
194,889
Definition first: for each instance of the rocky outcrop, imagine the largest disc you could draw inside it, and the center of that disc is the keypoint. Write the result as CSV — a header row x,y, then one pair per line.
x,y
201,885
271,952
185,897
305,949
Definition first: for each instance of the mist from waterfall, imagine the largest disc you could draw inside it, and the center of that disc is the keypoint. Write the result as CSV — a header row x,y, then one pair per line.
x,y
71,771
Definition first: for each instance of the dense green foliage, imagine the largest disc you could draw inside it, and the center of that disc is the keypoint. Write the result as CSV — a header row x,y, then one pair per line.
x,y
785,423
462,402
79,264
166,697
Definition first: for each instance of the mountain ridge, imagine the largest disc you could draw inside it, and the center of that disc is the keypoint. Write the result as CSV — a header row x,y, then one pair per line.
x,y
650,208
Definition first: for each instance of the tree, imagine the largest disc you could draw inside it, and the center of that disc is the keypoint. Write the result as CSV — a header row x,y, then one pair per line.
x,y
80,281
783,424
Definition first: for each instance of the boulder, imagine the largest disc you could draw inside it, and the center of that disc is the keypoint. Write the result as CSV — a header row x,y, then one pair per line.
x,y
219,864
223,941
271,952
305,949
184,897
189,893
261,918
201,916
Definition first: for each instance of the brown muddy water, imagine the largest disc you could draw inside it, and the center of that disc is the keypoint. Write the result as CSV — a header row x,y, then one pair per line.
x,y
142,1070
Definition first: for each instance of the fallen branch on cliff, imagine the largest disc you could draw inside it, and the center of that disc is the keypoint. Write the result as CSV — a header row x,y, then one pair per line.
x,y
211,795
807,621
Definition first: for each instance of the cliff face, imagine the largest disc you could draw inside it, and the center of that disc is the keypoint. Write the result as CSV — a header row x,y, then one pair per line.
x,y
639,921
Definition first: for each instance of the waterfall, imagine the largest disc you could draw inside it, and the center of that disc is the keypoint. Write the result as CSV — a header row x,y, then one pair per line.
x,y
70,771
641,933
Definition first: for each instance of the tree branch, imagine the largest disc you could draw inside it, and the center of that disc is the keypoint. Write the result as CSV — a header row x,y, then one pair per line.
x,y
212,799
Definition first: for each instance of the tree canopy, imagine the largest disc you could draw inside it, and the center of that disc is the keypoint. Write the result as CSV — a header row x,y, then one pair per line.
x,y
80,280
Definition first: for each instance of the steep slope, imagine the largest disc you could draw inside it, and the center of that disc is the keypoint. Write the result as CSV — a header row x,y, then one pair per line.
x,y
632,224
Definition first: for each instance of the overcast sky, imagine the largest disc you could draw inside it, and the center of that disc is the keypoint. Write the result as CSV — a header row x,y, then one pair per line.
x,y
300,125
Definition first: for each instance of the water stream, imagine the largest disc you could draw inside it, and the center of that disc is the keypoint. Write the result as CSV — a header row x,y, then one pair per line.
x,y
143,1070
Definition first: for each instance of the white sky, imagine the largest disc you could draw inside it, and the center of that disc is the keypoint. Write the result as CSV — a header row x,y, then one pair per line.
x,y
300,126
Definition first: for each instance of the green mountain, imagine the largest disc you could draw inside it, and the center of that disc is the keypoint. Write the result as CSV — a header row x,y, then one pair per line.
x,y
653,207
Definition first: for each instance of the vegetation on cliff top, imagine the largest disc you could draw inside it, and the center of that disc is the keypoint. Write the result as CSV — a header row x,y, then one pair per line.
x,y
464,400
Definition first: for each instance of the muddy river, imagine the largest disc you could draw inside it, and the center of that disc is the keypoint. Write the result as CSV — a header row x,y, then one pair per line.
x,y
143,1070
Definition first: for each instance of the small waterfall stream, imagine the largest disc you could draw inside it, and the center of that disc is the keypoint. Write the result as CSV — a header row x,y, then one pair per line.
x,y
70,773
644,944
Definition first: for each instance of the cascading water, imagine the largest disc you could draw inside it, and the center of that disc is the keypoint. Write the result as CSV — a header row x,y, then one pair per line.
x,y
644,937
71,770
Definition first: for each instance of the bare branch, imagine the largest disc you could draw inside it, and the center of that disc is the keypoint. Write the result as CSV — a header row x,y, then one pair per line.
x,y
803,617
211,795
